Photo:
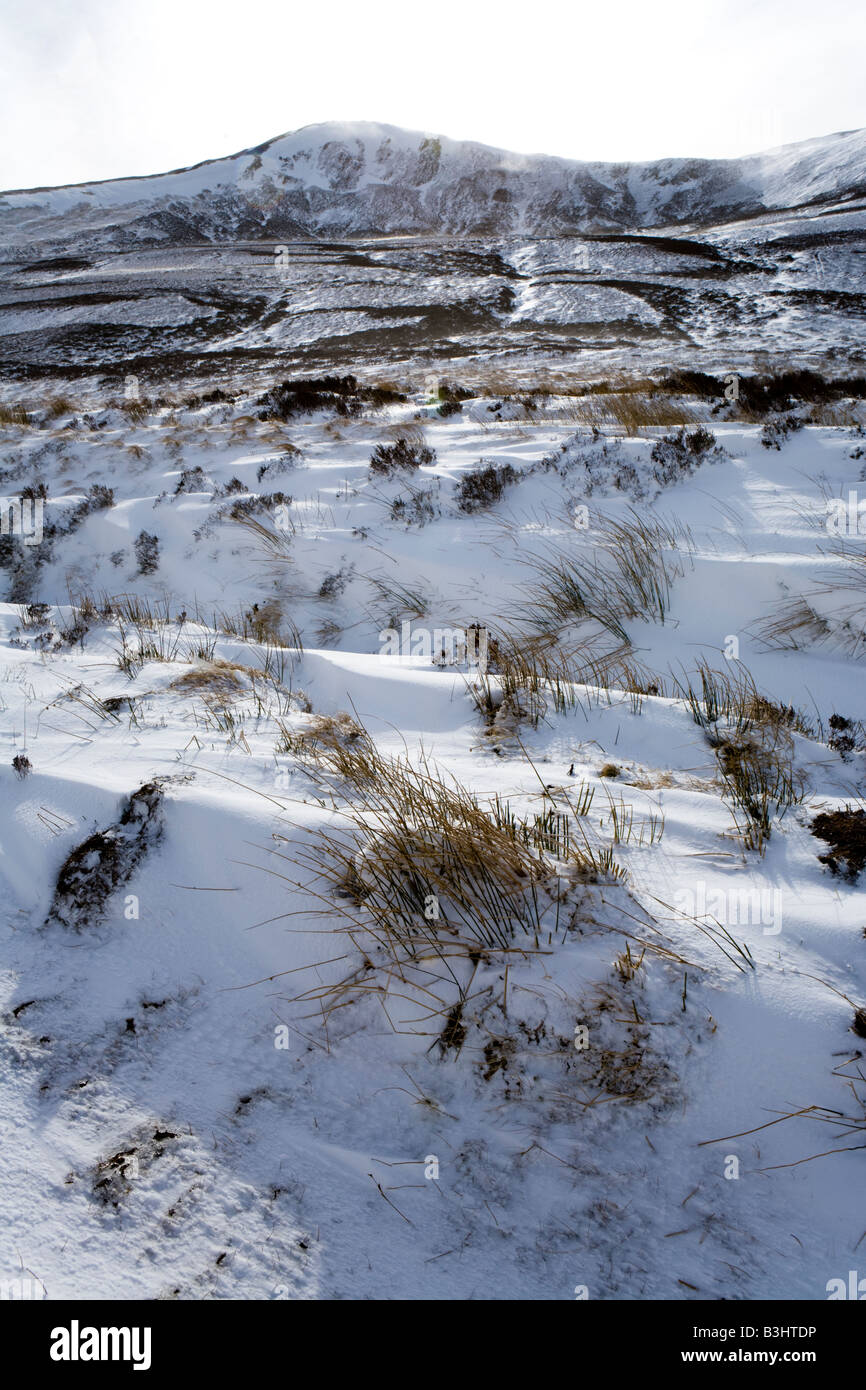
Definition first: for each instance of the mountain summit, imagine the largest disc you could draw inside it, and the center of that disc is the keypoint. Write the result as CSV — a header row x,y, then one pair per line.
x,y
356,179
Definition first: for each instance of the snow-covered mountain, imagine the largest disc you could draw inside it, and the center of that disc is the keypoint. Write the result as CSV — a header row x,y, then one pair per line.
x,y
361,178
356,246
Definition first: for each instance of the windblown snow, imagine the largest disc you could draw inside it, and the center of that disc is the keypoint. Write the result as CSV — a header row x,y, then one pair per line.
x,y
432,760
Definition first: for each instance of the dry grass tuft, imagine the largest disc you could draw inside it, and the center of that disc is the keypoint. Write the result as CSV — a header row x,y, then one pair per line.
x,y
632,409
632,577
217,676
427,880
322,732
751,738
264,623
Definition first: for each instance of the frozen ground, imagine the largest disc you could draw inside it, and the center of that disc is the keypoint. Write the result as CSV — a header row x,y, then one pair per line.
x,y
191,1105
710,298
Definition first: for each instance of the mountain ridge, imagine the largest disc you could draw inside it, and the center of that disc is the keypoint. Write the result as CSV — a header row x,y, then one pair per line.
x,y
363,178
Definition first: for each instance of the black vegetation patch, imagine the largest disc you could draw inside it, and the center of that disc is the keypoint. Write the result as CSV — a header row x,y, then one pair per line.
x,y
845,833
843,736
483,486
112,1178
388,459
416,509
36,615
22,765
451,397
57,263
147,552
766,395
678,455
790,389
693,384
284,464
246,507
775,432
25,561
333,585
210,398
99,499
344,395
232,487
107,859
192,480
453,391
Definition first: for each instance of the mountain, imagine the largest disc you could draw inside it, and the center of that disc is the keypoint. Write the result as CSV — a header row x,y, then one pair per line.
x,y
398,244
360,179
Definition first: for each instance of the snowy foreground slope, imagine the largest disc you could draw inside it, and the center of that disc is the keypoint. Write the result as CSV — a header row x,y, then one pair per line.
x,y
194,1102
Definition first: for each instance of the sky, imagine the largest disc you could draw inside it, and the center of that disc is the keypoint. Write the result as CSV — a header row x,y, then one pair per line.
x,y
95,89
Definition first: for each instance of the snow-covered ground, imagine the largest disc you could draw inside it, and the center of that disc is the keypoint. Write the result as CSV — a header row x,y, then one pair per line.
x,y
192,1103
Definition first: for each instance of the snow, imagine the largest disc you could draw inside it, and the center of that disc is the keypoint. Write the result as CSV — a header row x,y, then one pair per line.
x,y
354,177
300,1171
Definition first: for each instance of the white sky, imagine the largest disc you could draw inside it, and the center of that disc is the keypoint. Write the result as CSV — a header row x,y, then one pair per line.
x,y
99,88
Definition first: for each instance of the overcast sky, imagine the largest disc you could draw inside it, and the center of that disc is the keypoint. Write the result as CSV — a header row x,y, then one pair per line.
x,y
93,89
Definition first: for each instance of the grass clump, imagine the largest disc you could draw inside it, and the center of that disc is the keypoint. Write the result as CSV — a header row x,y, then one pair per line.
x,y
344,395
775,433
631,577
678,455
324,731
402,456
417,840
631,406
146,549
428,881
528,677
483,486
264,623
761,783
751,737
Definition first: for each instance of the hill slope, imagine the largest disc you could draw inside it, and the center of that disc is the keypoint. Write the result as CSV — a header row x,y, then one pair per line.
x,y
357,178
